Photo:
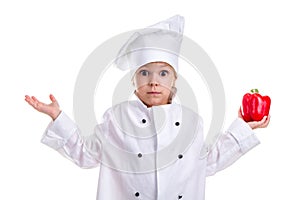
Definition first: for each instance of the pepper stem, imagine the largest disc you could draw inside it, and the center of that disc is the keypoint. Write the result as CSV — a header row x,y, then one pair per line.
x,y
254,90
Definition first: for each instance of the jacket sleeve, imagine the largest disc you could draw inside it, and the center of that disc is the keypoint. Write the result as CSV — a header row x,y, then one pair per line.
x,y
231,145
64,136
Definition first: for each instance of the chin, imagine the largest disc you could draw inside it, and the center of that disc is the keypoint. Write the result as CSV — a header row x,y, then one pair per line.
x,y
156,103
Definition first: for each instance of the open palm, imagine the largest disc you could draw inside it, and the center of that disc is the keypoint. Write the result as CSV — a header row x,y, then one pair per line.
x,y
51,109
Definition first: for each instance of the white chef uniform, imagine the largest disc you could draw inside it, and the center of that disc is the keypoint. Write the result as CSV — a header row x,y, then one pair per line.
x,y
183,178
165,165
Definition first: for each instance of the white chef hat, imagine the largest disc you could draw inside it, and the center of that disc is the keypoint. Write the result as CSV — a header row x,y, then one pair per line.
x,y
160,42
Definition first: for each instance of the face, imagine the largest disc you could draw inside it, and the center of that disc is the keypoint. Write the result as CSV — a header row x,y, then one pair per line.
x,y
154,82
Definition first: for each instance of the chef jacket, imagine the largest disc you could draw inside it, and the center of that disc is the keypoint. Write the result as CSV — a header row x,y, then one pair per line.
x,y
163,164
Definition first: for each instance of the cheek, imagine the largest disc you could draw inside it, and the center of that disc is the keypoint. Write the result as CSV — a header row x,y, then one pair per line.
x,y
140,85
141,89
139,82
168,83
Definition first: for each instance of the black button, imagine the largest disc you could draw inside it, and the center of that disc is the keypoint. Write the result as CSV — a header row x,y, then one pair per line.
x,y
180,156
179,196
177,123
140,155
137,194
144,121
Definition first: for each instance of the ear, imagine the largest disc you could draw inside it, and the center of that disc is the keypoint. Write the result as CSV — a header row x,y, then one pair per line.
x,y
174,81
132,81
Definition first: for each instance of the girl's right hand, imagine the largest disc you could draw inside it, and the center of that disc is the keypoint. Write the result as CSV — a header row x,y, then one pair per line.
x,y
51,109
256,124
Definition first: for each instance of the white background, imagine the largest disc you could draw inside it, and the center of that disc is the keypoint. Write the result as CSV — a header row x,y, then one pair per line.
x,y
254,44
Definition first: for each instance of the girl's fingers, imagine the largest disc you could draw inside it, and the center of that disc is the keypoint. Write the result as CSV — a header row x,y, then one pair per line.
x,y
263,123
33,98
52,98
260,124
240,113
35,102
29,100
265,118
266,122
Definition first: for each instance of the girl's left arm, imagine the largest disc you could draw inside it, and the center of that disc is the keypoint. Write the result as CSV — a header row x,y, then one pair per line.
x,y
231,145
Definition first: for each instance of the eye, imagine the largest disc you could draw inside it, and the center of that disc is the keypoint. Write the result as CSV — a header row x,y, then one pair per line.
x,y
144,72
164,73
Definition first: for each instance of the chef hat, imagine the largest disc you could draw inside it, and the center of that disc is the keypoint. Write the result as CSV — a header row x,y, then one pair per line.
x,y
157,43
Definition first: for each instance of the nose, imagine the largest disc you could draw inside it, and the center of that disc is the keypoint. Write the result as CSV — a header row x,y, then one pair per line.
x,y
153,81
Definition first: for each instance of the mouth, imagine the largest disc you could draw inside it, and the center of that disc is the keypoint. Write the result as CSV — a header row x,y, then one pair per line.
x,y
153,92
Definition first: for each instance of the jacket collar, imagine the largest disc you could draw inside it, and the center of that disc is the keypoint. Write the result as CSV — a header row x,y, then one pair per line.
x,y
143,106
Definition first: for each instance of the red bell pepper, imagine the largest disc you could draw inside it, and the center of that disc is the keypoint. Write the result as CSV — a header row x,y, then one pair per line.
x,y
255,106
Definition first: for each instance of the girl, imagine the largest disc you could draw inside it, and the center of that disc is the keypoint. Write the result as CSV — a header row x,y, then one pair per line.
x,y
164,164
